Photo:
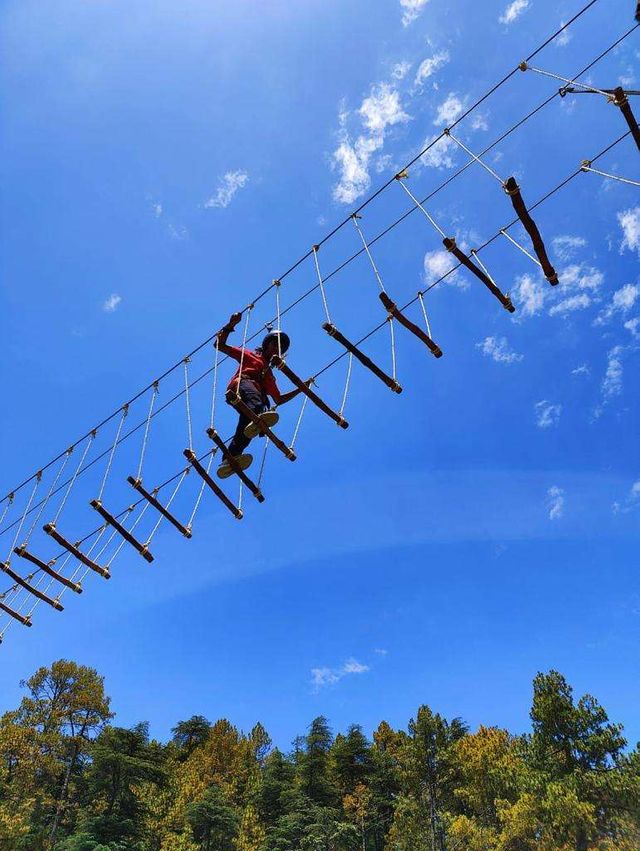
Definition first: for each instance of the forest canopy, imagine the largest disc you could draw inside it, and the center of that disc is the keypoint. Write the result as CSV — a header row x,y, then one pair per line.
x,y
72,780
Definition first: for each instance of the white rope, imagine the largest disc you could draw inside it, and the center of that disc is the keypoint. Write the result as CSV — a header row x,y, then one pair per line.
x,y
244,343
393,347
125,411
215,387
73,478
45,501
7,507
354,219
346,386
424,313
517,245
131,530
24,514
321,283
167,506
276,284
187,400
611,176
484,268
264,458
300,416
476,158
154,394
201,493
240,492
420,207
588,88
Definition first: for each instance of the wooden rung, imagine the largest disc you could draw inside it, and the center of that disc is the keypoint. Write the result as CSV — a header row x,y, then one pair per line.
x,y
126,534
56,604
505,301
48,568
513,191
51,530
25,620
621,100
392,309
231,460
240,406
304,388
391,383
151,499
200,470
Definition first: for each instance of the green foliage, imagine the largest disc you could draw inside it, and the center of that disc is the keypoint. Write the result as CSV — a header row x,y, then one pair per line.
x,y
69,781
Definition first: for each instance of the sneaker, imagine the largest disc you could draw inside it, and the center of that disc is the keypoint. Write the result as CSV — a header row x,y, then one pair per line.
x,y
225,469
269,419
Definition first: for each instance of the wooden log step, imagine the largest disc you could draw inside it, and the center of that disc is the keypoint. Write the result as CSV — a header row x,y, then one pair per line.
x,y
51,530
190,455
47,567
393,310
366,361
152,500
126,534
304,388
513,191
23,619
55,604
240,406
450,244
255,490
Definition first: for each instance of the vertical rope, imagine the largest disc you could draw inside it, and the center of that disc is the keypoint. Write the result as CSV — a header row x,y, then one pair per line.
x,y
393,348
346,386
45,501
321,283
424,313
154,394
517,245
276,284
125,411
215,387
131,529
475,157
200,495
420,207
354,219
188,402
73,478
24,514
8,505
244,343
299,422
167,506
264,458
483,267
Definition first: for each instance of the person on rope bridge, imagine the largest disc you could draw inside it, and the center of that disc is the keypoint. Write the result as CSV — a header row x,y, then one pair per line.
x,y
254,383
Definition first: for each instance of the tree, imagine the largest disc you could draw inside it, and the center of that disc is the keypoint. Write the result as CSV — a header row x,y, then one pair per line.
x,y
213,822
350,760
313,763
191,734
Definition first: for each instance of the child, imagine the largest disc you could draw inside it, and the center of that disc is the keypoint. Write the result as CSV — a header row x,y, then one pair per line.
x,y
254,383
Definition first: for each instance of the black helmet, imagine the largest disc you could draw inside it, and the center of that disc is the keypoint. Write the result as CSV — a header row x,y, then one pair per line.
x,y
272,337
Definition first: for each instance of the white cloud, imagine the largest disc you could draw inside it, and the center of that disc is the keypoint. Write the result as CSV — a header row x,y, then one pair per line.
x,y
631,501
479,122
630,223
178,232
612,381
228,185
322,677
437,263
633,326
565,36
529,295
381,651
440,154
498,349
566,247
583,369
111,304
568,305
429,67
411,9
513,11
622,302
448,111
547,414
380,110
581,277
400,70
555,502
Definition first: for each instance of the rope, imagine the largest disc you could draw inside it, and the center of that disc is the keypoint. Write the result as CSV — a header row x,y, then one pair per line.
x,y
372,197
167,506
125,411
484,268
354,219
393,348
214,388
527,67
585,168
475,158
244,343
299,422
154,394
420,207
517,245
8,505
123,542
424,313
346,385
264,458
278,325
24,514
188,403
73,478
321,284
200,495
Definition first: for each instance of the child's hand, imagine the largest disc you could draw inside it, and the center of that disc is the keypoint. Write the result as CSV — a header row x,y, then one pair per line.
x,y
234,319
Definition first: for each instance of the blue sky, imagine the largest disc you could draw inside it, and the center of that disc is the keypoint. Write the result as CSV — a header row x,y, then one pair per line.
x,y
161,163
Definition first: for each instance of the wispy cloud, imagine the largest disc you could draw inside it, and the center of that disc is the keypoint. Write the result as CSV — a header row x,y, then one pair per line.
x,y
380,651
400,70
630,502
547,414
449,111
513,11
571,304
566,247
440,153
437,263
613,378
555,502
622,302
110,305
565,36
380,110
228,185
583,369
633,327
429,67
411,9
499,350
323,677
629,221
529,295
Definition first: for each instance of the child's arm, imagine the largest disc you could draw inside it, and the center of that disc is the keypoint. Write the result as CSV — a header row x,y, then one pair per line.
x,y
223,334
282,398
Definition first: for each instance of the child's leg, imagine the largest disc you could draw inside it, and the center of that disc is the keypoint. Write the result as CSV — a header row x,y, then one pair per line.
x,y
253,399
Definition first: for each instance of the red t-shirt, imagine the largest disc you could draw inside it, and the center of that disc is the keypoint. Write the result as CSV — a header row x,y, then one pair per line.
x,y
255,369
